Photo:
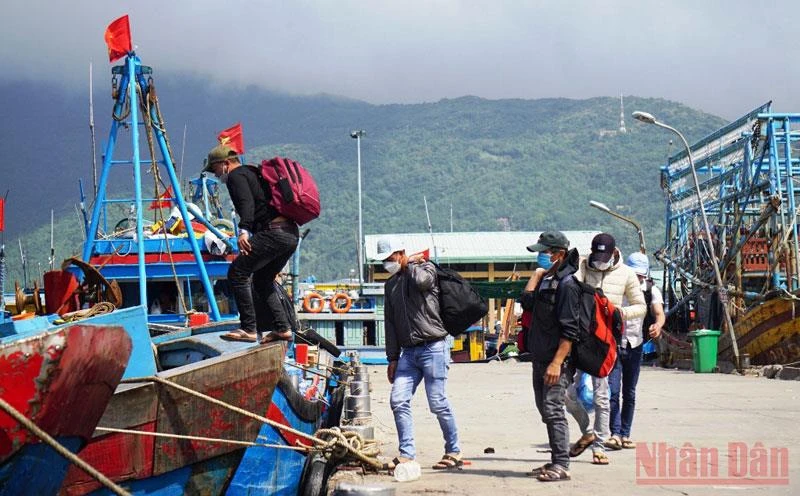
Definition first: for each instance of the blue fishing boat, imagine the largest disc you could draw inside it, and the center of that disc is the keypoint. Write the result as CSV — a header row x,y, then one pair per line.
x,y
195,413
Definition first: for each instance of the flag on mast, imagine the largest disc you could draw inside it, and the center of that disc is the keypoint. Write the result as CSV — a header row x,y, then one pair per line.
x,y
118,38
233,138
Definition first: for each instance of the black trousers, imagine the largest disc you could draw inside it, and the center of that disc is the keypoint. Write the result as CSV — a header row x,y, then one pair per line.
x,y
251,277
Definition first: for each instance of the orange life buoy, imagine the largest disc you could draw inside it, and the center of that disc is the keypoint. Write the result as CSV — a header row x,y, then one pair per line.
x,y
341,309
307,303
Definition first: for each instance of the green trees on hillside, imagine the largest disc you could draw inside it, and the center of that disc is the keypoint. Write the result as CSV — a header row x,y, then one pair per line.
x,y
536,162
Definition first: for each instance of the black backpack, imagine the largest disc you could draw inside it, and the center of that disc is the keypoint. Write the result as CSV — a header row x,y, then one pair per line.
x,y
460,305
649,318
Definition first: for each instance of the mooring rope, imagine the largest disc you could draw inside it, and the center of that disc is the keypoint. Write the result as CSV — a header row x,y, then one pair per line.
x,y
200,438
320,444
61,450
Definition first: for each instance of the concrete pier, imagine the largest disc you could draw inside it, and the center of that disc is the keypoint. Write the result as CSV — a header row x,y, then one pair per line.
x,y
717,420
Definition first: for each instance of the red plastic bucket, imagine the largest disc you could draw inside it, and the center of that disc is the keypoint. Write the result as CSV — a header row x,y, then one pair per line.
x,y
301,353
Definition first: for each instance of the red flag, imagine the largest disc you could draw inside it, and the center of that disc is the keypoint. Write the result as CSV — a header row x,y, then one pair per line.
x,y
163,200
118,38
2,213
233,138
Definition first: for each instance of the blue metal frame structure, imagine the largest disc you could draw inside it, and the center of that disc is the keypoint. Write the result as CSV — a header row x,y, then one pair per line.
x,y
743,168
134,87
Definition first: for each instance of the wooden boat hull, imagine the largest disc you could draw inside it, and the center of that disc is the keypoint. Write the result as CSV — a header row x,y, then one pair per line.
x,y
769,333
246,379
62,380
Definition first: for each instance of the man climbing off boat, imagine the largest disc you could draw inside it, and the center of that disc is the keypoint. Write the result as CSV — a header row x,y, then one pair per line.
x,y
266,241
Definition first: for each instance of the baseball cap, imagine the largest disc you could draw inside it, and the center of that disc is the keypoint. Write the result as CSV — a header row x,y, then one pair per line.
x,y
550,239
639,263
218,154
387,246
603,247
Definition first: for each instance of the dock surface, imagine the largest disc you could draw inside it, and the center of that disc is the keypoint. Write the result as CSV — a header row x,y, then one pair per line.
x,y
721,416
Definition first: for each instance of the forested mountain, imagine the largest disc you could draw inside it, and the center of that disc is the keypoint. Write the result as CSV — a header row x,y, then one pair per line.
x,y
535,162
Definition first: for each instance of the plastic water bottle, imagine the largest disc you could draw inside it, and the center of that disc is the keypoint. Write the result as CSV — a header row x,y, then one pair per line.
x,y
407,471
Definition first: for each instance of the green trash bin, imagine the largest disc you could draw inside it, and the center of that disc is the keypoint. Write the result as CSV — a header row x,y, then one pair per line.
x,y
704,350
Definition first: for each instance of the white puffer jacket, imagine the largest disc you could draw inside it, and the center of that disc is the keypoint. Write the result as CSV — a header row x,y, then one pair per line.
x,y
616,282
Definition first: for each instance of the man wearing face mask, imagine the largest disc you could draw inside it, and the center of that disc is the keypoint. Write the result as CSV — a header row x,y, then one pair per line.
x,y
554,299
625,375
604,269
266,241
416,348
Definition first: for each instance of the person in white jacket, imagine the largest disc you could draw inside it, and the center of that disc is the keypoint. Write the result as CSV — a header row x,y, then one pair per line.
x,y
604,269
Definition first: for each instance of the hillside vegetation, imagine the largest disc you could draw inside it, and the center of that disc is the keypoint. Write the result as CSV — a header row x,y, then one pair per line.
x,y
535,162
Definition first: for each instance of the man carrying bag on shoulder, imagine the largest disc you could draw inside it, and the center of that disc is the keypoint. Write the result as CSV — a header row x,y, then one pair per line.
x,y
416,348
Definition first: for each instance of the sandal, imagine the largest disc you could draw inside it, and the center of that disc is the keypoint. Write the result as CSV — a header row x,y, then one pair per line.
x,y
449,461
627,443
273,336
613,443
599,458
554,473
580,446
539,470
392,464
240,335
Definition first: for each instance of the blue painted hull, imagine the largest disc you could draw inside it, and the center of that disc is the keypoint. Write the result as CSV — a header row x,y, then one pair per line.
x,y
23,474
273,471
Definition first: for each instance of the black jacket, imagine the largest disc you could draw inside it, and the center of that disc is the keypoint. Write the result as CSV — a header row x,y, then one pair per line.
x,y
412,308
251,196
556,307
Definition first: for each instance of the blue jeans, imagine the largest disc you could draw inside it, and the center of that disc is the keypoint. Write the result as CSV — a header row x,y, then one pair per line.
x,y
429,361
626,372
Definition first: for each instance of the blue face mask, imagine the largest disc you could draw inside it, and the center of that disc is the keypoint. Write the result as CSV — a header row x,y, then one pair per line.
x,y
543,260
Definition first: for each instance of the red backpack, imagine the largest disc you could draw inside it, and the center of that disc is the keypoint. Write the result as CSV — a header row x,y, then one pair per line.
x,y
294,191
601,325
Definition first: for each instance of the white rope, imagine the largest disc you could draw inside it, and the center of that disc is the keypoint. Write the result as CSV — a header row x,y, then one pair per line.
x,y
61,450
321,444
200,438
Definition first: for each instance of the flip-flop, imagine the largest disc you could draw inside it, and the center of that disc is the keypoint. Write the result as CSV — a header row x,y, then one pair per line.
x,y
273,336
627,443
239,335
613,443
581,445
599,459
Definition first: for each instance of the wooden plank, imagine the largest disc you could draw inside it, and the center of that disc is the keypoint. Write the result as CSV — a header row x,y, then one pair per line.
x,y
246,379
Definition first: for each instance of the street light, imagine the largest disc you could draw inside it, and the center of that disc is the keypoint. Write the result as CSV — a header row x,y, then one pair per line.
x,y
357,135
650,119
604,208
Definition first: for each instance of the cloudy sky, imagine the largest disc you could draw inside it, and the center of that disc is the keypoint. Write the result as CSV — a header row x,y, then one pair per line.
x,y
724,57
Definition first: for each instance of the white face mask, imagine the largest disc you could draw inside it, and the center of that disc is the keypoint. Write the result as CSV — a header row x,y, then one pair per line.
x,y
601,265
391,267
643,285
224,176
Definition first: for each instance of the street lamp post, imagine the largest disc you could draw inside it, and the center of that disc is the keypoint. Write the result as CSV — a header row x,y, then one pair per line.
x,y
650,119
604,208
357,135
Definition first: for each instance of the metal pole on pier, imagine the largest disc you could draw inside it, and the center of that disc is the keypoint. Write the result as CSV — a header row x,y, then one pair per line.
x,y
721,289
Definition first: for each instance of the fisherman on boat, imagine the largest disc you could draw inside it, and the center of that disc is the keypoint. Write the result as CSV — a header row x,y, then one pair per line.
x,y
266,242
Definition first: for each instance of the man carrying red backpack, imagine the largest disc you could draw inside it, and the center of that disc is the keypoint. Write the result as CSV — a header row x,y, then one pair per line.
x,y
266,242
604,269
